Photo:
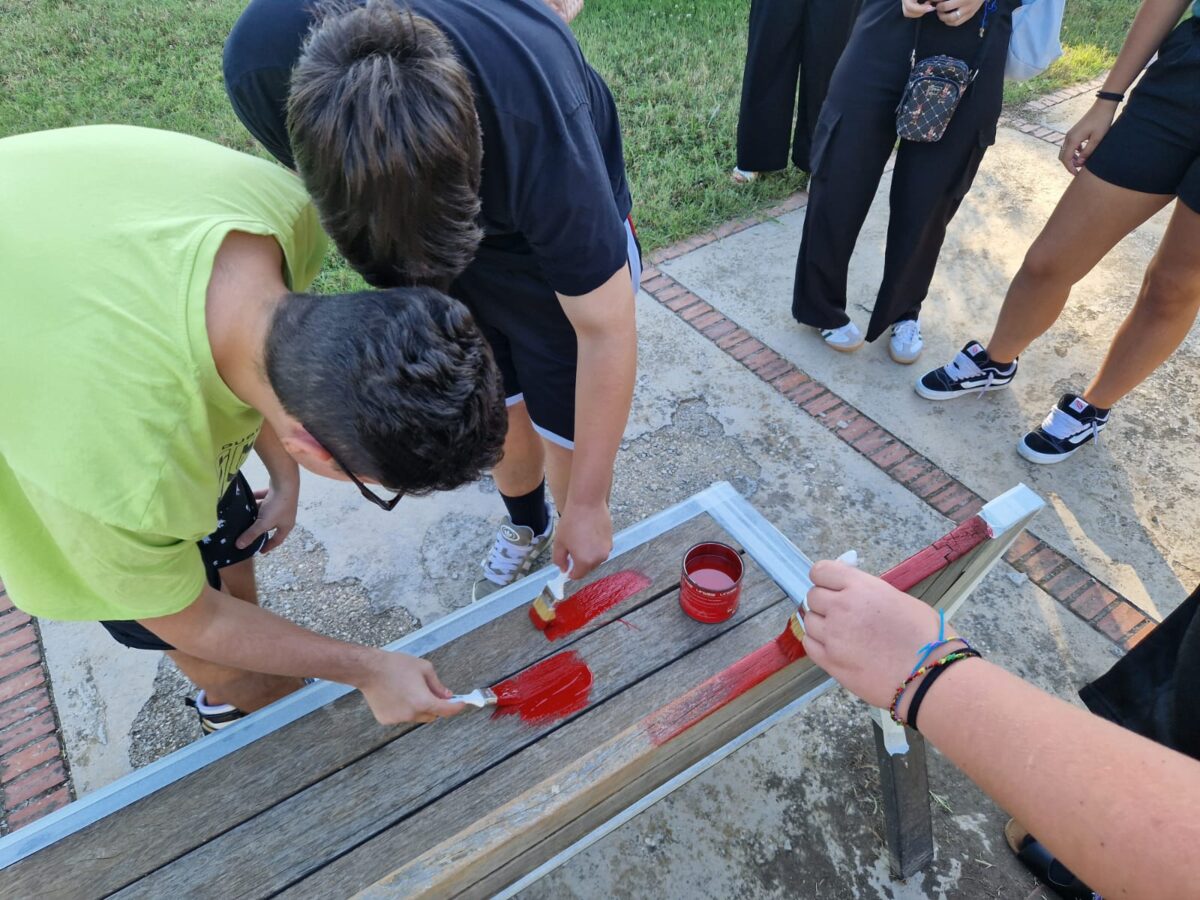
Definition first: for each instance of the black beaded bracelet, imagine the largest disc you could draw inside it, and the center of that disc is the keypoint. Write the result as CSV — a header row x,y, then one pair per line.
x,y
1111,95
923,688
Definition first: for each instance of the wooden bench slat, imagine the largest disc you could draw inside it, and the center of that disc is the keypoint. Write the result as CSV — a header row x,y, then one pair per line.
x,y
536,802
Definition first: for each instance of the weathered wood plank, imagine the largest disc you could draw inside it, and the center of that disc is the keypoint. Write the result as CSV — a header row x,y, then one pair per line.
x,y
117,850
332,817
732,721
519,835
938,555
504,784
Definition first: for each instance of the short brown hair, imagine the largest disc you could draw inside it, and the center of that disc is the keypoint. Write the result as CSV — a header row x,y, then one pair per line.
x,y
381,117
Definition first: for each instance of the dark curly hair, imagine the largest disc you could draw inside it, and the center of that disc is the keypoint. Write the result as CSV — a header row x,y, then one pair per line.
x,y
398,383
381,117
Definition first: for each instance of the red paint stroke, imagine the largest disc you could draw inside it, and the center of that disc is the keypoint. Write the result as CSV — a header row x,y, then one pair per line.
x,y
961,541
730,683
556,687
598,597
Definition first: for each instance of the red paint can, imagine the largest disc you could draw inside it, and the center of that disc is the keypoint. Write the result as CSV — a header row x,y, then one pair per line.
x,y
711,582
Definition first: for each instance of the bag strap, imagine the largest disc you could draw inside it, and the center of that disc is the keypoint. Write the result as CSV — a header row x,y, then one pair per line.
x,y
989,7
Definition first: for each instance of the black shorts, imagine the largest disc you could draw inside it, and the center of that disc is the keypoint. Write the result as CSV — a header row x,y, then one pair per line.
x,y
531,338
1154,146
236,511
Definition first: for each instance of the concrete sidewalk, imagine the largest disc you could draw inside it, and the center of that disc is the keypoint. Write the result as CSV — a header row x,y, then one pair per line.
x,y
794,812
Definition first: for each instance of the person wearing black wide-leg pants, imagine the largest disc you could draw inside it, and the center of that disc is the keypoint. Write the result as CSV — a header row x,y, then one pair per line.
x,y
855,134
789,40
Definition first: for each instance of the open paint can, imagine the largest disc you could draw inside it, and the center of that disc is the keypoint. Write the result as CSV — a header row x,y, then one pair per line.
x,y
711,582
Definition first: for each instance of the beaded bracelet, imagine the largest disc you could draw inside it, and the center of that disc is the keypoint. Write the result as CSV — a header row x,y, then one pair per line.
x,y
948,659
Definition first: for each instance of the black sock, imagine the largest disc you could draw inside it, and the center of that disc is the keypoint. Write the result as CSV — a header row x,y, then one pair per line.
x,y
529,509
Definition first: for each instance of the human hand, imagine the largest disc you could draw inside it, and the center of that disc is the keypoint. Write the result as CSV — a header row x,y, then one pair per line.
x,y
402,688
864,632
276,513
913,9
583,539
957,12
566,9
1083,139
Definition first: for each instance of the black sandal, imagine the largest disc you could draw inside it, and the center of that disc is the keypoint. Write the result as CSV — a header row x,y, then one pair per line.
x,y
1038,860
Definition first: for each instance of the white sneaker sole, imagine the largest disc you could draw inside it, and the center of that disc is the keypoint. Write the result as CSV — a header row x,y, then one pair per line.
x,y
1047,459
945,395
1044,459
901,358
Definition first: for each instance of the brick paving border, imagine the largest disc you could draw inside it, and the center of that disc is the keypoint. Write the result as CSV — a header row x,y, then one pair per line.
x,y
34,776
34,772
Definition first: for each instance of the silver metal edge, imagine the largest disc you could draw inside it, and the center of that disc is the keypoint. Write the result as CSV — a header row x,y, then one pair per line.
x,y
183,762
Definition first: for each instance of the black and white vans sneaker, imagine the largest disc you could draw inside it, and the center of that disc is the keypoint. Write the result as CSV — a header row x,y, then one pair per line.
x,y
213,718
1070,425
970,372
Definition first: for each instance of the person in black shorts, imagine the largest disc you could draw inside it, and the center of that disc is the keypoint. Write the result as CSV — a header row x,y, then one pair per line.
x,y
470,146
1125,172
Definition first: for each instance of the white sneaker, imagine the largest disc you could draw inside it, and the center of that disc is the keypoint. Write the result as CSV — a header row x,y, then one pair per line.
x,y
906,345
515,552
846,339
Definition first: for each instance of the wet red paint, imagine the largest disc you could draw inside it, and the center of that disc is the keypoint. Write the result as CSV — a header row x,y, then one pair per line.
x,y
961,541
730,683
583,606
711,579
554,688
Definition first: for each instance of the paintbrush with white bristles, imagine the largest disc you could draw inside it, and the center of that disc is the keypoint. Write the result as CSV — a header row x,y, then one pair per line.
x,y
542,612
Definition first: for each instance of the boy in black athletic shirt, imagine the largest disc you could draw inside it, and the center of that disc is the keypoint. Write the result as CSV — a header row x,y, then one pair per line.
x,y
469,144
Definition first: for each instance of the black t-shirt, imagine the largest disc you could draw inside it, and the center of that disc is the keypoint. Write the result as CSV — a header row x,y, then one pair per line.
x,y
553,192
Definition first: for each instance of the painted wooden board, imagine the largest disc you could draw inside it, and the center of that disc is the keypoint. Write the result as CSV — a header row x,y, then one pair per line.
x,y
141,838
318,824
331,803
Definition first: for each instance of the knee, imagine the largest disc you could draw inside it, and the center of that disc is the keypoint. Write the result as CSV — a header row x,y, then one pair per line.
x,y
1170,290
1044,263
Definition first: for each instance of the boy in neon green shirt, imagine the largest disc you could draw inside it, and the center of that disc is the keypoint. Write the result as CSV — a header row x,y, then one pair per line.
x,y
151,333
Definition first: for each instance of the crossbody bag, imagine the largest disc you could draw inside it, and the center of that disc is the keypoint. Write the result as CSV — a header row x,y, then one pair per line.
x,y
936,86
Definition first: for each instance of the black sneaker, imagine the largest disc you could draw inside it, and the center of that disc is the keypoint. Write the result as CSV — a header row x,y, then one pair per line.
x,y
213,718
971,372
1070,425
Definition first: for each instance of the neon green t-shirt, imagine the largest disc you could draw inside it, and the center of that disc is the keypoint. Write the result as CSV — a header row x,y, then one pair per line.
x,y
117,434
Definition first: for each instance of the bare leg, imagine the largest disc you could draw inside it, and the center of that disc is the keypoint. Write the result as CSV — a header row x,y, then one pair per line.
x,y
558,472
1090,219
523,465
1162,316
247,691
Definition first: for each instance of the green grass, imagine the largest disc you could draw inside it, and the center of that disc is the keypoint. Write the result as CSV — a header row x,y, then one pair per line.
x,y
674,65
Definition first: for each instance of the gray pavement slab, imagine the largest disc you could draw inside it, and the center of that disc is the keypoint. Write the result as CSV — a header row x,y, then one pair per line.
x,y
792,813
1120,508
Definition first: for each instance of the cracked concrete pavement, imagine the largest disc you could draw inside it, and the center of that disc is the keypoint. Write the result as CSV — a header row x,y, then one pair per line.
x,y
793,813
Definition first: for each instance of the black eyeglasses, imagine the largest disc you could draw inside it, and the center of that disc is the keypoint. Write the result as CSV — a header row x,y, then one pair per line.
x,y
386,505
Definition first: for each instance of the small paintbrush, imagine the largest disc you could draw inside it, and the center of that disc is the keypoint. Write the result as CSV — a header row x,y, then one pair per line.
x,y
542,612
479,698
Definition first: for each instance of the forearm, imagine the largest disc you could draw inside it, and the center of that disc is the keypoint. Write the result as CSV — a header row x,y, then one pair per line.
x,y
1154,20
606,329
279,464
606,371
1117,809
224,630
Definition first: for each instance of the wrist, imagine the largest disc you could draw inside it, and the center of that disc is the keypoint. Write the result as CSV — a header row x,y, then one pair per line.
x,y
907,688
361,666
